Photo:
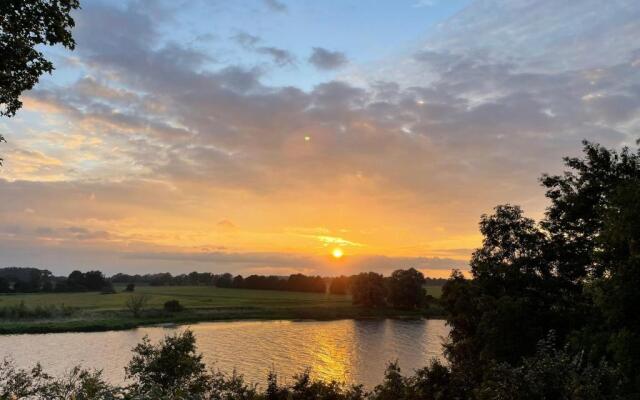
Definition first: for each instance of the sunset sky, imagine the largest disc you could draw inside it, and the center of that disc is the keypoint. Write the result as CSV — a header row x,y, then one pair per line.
x,y
261,136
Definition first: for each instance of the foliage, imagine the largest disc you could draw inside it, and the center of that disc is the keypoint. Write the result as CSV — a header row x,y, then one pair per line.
x,y
339,285
136,303
25,280
406,289
295,282
173,306
575,273
171,367
77,384
130,287
225,281
22,311
24,27
108,289
368,290
550,374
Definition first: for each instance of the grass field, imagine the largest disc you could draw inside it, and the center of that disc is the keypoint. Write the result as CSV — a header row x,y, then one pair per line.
x,y
94,311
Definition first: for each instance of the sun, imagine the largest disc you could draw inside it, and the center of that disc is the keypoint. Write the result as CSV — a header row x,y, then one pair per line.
x,y
337,253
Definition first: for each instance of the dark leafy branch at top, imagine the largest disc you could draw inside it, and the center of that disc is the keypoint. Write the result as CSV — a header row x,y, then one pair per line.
x,y
25,25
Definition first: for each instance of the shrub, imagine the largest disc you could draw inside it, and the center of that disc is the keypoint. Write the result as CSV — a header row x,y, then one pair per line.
x,y
22,311
130,287
173,306
108,289
136,303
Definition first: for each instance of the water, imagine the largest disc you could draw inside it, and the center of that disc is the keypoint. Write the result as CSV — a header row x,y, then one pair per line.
x,y
347,350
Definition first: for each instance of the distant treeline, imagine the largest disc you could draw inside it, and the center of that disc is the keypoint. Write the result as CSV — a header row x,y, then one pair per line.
x,y
32,280
369,289
296,282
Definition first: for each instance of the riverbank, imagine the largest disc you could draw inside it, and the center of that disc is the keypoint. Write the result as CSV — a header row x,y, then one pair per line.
x,y
92,312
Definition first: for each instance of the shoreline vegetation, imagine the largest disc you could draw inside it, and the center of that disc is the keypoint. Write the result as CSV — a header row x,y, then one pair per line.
x,y
94,311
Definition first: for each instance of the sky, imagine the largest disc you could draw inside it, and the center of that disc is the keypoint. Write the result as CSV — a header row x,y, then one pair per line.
x,y
260,136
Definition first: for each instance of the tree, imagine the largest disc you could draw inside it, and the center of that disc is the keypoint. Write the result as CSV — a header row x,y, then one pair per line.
x,y
4,285
576,273
551,373
225,281
24,26
94,280
580,200
130,287
513,300
173,306
35,384
136,303
108,288
170,369
238,282
406,289
368,290
339,285
75,281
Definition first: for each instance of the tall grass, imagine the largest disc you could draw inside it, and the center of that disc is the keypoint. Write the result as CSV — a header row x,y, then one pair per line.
x,y
22,311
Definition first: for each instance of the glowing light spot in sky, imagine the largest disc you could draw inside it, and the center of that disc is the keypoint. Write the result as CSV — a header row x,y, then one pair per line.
x,y
337,253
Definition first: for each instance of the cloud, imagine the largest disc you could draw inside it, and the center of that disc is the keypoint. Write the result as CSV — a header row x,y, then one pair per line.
x,y
250,42
279,56
246,40
275,5
226,224
324,59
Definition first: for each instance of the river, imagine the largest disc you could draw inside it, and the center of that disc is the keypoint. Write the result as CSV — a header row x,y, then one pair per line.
x,y
351,351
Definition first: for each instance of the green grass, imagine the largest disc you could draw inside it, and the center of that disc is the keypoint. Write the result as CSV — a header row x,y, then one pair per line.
x,y
189,296
95,311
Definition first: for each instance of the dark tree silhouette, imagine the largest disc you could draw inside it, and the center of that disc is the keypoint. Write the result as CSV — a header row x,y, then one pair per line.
x,y
25,25
406,289
339,285
368,290
173,306
225,281
575,274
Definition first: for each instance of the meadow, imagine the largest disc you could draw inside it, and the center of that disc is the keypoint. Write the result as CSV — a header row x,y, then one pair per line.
x,y
93,311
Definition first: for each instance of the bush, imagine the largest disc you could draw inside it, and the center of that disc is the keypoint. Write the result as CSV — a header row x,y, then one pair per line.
x,y
173,306
136,303
22,311
108,289
130,287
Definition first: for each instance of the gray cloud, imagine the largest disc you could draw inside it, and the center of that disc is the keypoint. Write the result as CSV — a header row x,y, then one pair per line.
x,y
326,59
250,42
275,5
